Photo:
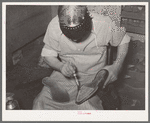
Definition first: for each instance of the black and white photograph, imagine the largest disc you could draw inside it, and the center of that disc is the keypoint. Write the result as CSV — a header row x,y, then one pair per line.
x,y
75,61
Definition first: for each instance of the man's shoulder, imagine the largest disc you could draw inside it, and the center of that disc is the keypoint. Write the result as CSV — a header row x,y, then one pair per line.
x,y
54,25
55,20
100,21
101,18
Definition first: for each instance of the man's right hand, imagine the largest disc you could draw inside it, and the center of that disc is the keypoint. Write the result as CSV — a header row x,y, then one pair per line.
x,y
68,69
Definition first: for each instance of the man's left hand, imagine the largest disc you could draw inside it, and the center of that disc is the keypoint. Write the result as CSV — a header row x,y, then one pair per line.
x,y
113,74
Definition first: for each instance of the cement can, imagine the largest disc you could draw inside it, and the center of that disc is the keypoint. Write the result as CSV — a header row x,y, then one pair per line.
x,y
11,104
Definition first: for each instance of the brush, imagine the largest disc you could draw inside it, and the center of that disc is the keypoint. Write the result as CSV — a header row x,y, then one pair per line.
x,y
76,80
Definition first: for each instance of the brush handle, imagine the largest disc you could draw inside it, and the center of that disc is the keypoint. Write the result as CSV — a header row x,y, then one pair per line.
x,y
75,76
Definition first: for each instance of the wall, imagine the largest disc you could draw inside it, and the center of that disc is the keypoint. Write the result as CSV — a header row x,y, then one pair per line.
x,y
133,18
54,10
113,11
23,25
26,23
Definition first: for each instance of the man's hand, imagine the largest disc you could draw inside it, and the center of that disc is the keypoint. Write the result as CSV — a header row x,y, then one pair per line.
x,y
115,68
113,74
68,69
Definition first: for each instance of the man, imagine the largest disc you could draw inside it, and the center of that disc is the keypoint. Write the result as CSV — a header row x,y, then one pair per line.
x,y
76,43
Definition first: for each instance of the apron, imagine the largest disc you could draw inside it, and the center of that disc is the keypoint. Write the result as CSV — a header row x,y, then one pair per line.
x,y
89,57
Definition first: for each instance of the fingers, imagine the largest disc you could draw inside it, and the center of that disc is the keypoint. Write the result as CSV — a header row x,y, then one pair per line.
x,y
113,79
68,70
109,80
71,69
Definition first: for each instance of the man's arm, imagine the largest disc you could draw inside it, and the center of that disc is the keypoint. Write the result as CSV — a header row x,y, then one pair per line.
x,y
67,69
115,68
121,54
53,62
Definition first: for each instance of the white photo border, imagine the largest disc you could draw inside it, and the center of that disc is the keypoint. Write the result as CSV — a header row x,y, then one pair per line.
x,y
73,115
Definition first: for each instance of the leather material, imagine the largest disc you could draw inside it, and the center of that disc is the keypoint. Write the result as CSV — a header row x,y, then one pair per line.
x,y
87,90
108,95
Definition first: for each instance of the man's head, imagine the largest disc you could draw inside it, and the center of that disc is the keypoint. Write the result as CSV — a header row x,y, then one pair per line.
x,y
75,22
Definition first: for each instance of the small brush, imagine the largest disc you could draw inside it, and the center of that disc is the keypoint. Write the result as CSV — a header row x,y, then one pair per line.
x,y
77,82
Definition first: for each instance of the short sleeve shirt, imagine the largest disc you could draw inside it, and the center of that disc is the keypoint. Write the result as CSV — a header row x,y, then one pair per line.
x,y
105,30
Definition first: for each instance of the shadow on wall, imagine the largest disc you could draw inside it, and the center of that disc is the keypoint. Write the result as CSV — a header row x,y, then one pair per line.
x,y
25,24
